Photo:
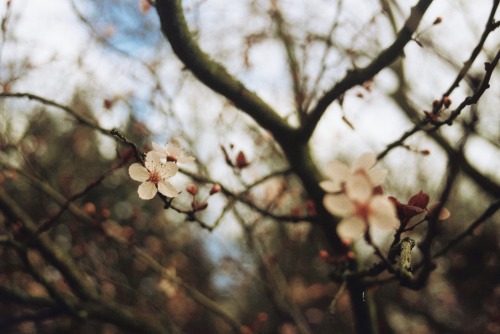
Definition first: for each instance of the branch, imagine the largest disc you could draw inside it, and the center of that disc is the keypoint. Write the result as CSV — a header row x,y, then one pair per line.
x,y
45,226
490,211
196,295
274,280
241,197
213,74
114,311
81,119
487,184
51,252
293,64
490,26
357,77
432,228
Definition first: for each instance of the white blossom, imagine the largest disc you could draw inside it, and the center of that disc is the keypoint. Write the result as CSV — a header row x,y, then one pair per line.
x,y
154,176
173,153
338,173
358,206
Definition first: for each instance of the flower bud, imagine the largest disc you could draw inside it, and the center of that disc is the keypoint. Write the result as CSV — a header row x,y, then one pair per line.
x,y
89,208
192,189
323,254
215,189
446,101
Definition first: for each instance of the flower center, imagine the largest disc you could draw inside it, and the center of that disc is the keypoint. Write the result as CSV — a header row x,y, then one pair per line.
x,y
362,211
154,177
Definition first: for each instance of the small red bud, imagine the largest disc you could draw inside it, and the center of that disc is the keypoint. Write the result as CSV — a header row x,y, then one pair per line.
x,y
192,189
438,20
262,316
215,189
89,208
446,101
347,243
323,254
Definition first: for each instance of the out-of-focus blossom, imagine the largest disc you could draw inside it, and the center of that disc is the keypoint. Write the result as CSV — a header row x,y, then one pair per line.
x,y
443,214
173,153
154,176
360,207
338,173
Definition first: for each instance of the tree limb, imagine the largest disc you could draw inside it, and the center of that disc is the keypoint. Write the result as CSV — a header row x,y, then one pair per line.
x,y
213,74
357,77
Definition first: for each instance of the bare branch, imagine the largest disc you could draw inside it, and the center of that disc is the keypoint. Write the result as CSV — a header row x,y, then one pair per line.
x,y
358,76
490,211
213,74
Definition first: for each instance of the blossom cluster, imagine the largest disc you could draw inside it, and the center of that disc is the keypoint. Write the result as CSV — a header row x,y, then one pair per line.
x,y
355,195
159,166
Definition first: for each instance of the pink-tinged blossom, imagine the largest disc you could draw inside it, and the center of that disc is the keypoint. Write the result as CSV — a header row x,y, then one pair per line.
x,y
173,153
359,207
154,176
338,173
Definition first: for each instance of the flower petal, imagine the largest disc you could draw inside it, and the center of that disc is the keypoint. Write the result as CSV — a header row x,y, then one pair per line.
x,y
167,170
359,187
339,205
174,151
419,200
351,228
167,189
159,149
152,160
382,213
138,173
147,190
337,172
364,162
330,186
377,176
185,159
